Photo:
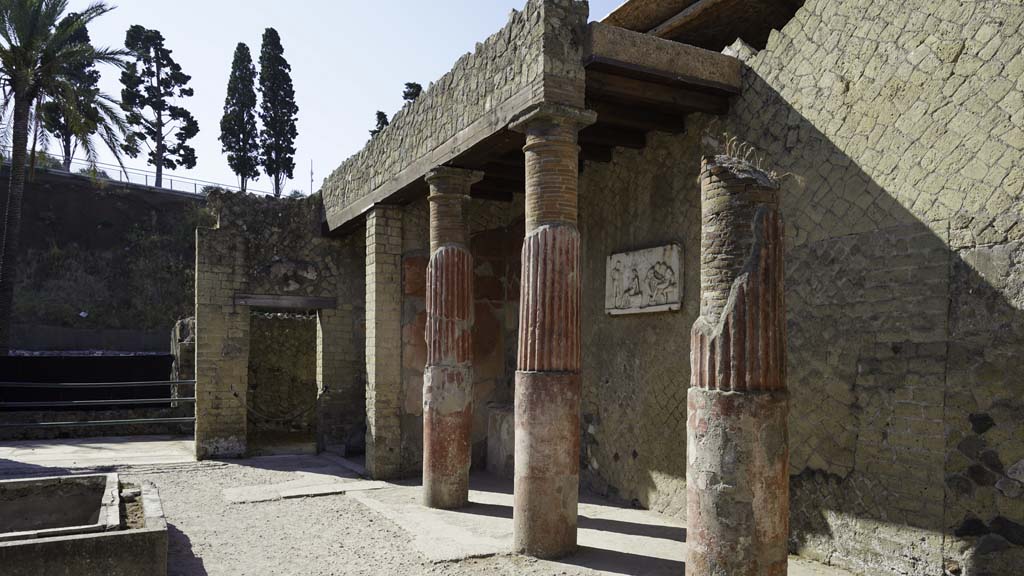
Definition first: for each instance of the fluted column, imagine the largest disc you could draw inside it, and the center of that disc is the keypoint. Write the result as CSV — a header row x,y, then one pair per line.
x,y
547,394
448,376
737,473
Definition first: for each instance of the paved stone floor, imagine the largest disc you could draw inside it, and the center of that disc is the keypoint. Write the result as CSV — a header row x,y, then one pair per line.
x,y
313,515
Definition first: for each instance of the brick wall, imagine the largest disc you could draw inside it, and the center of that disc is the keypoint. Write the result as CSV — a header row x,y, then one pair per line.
x,y
222,345
383,342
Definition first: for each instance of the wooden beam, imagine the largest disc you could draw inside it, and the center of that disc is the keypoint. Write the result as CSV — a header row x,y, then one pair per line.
x,y
278,302
613,136
645,119
687,17
625,53
623,90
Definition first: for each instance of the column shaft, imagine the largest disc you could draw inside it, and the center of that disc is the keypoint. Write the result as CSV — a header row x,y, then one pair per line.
x,y
547,394
736,444
448,376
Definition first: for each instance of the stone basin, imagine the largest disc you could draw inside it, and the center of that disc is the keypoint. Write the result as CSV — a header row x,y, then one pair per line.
x,y
72,526
44,507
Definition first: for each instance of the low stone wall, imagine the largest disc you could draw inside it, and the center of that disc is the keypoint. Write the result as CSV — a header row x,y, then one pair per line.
x,y
117,553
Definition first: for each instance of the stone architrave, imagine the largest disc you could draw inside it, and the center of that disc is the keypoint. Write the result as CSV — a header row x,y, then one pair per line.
x,y
641,281
448,376
547,393
737,473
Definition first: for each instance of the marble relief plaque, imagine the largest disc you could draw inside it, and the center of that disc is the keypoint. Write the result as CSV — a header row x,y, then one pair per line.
x,y
644,281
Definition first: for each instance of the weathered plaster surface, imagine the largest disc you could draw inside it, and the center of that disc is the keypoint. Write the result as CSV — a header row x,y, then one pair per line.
x,y
496,233
899,129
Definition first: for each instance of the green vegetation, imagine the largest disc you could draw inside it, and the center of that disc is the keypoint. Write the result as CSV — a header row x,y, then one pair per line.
x,y
277,112
382,123
152,83
38,49
238,132
73,119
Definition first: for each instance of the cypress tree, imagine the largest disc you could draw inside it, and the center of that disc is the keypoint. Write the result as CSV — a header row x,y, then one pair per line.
x,y
277,111
239,136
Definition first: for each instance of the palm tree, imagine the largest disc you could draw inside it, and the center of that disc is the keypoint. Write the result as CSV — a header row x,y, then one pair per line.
x,y
37,48
73,123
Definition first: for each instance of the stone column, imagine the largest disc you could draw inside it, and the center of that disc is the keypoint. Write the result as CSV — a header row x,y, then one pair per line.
x,y
547,394
448,376
737,473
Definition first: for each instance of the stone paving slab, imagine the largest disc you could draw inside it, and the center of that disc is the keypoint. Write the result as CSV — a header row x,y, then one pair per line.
x,y
332,480
612,540
29,456
334,488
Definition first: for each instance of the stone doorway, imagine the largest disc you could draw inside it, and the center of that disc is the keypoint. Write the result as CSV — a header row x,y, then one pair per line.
x,y
282,397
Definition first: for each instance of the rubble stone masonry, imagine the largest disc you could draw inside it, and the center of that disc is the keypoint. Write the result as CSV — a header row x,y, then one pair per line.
x,y
898,129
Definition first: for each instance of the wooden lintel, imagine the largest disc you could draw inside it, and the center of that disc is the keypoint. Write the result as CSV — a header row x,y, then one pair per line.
x,y
278,302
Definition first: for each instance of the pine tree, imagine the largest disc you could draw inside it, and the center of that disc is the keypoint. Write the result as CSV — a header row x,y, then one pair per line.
x,y
382,123
412,91
151,84
277,111
238,134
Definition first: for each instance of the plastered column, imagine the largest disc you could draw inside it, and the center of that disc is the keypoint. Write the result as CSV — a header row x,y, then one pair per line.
x,y
737,445
448,376
547,394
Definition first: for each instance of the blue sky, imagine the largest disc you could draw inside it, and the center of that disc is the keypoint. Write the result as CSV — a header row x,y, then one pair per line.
x,y
349,58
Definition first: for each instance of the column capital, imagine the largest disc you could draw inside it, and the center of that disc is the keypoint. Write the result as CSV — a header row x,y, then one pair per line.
x,y
451,180
554,115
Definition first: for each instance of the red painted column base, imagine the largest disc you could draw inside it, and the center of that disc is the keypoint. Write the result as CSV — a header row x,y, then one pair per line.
x,y
737,482
547,453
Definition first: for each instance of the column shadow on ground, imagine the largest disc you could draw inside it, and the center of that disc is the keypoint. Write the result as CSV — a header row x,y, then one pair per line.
x,y
181,559
675,533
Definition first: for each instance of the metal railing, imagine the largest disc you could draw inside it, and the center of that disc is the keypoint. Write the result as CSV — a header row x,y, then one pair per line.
x,y
117,173
171,400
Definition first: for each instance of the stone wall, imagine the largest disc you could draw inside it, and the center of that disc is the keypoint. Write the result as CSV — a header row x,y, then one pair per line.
x,y
636,368
102,265
899,129
534,58
274,247
282,373
496,237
